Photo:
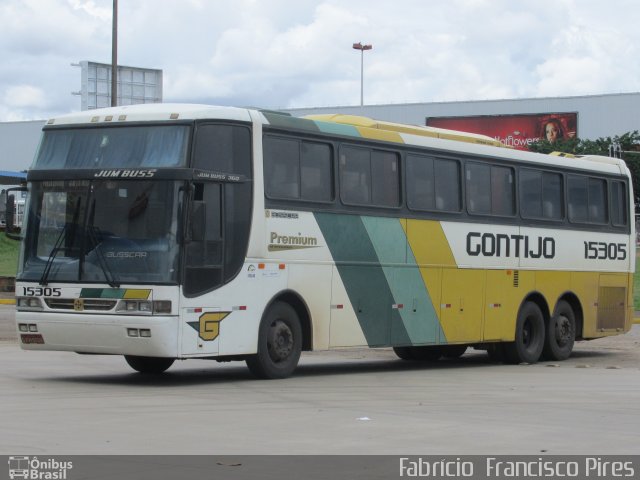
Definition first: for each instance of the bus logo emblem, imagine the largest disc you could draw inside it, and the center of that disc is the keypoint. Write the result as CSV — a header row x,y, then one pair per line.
x,y
78,304
208,325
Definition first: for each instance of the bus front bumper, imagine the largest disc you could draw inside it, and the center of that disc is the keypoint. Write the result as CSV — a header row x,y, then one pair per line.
x,y
148,336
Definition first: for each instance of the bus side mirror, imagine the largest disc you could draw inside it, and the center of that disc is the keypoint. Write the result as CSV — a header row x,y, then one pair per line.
x,y
10,212
10,228
198,221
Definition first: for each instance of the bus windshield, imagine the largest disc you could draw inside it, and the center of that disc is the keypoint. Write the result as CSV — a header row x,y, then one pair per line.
x,y
111,231
114,147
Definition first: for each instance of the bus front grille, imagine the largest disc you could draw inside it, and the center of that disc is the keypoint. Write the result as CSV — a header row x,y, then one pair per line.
x,y
84,304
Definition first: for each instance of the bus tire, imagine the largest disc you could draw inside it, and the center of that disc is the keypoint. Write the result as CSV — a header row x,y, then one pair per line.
x,y
561,333
530,336
149,365
279,343
404,353
453,351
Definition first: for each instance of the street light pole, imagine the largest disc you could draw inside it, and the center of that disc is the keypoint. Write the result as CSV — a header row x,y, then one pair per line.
x,y
114,56
362,48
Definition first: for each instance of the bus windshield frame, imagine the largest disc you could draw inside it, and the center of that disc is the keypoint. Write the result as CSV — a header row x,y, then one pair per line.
x,y
97,231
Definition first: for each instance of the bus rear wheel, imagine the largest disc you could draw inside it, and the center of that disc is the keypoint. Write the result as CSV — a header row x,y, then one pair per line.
x,y
561,333
279,343
149,365
530,336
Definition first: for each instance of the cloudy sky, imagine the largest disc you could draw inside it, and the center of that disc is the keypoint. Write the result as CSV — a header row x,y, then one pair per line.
x,y
297,53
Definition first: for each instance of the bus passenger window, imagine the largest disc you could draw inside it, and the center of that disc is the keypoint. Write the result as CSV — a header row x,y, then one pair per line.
x,y
619,204
297,170
490,190
385,179
540,194
597,200
282,167
355,176
369,177
578,198
316,168
420,183
552,196
433,184
478,188
447,185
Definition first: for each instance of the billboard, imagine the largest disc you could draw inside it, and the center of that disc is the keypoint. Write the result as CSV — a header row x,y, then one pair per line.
x,y
517,131
135,85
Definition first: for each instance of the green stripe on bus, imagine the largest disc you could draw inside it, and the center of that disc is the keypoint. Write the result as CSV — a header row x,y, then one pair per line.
x,y
419,319
363,278
289,122
102,293
338,129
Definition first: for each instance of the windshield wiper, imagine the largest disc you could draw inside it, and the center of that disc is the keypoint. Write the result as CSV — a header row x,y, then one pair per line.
x,y
93,232
102,261
57,246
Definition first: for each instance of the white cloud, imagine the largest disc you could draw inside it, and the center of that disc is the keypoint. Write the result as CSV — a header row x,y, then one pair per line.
x,y
25,96
279,53
90,7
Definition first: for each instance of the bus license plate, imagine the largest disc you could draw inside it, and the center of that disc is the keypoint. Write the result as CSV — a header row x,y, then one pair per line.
x,y
32,338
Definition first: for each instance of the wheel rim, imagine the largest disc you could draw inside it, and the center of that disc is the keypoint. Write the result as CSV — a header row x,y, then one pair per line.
x,y
563,330
281,342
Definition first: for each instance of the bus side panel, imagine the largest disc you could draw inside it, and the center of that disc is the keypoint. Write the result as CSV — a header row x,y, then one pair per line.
x,y
504,290
313,283
462,304
381,279
585,286
344,330
430,248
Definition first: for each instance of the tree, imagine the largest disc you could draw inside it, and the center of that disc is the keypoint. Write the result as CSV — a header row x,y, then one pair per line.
x,y
629,144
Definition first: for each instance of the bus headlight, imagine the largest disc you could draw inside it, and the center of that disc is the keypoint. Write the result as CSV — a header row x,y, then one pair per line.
x,y
144,306
131,306
28,302
162,306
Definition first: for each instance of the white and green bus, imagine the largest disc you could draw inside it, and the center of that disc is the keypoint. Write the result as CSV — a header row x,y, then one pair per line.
x,y
164,232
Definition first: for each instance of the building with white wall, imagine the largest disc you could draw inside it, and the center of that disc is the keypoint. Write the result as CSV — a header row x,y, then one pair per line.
x,y
597,115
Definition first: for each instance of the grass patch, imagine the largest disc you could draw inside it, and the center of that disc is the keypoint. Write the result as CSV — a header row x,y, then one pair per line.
x,y
9,250
636,285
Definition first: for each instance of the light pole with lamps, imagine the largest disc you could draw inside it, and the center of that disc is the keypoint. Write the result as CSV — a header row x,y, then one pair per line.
x,y
362,48
114,55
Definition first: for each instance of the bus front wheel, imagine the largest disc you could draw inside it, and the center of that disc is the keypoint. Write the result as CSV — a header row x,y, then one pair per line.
x,y
150,365
279,343
530,336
